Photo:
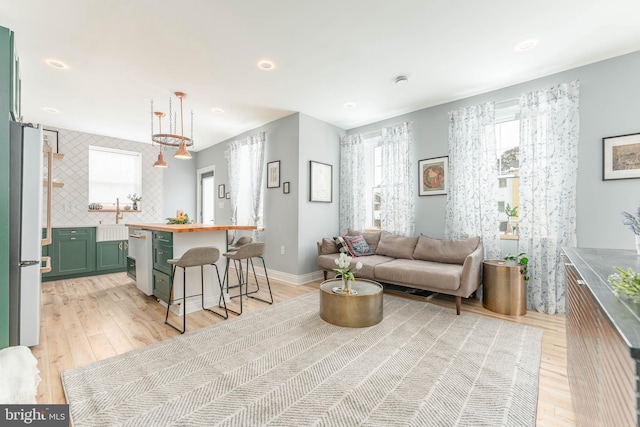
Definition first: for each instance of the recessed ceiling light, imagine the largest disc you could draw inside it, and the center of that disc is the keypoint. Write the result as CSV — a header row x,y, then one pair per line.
x,y
51,110
526,45
56,64
266,65
217,110
402,80
349,105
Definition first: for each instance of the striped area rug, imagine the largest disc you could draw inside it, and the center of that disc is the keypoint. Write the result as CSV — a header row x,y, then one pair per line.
x,y
284,366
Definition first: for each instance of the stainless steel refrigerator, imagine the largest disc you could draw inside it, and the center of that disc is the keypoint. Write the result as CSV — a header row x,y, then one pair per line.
x,y
25,233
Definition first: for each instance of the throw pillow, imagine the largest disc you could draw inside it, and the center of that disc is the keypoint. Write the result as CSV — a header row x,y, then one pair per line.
x,y
341,244
357,245
372,237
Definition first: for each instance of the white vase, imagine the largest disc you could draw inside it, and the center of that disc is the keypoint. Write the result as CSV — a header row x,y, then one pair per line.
x,y
638,244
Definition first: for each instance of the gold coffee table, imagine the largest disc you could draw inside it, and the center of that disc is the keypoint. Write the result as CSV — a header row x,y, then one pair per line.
x,y
353,311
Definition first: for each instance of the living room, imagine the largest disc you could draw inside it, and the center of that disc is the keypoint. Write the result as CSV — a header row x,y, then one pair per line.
x,y
609,88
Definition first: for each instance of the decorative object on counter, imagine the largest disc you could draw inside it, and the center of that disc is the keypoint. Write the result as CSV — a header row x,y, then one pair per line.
x,y
520,259
621,159
512,224
626,283
172,139
95,206
346,273
633,222
273,174
180,219
127,208
135,199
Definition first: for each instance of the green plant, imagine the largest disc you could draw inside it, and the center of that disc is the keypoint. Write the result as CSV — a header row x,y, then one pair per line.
x,y
134,198
523,260
181,219
626,282
511,211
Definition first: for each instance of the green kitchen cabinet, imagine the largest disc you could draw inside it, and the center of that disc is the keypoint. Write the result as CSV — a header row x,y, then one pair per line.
x,y
74,250
162,248
112,255
161,285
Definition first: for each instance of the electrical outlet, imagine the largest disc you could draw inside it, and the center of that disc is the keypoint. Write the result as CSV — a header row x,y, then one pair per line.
x,y
281,250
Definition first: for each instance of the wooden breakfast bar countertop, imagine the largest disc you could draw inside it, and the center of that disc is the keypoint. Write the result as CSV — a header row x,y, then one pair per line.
x,y
189,228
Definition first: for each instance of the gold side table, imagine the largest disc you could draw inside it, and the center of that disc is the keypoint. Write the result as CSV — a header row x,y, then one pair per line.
x,y
353,311
504,287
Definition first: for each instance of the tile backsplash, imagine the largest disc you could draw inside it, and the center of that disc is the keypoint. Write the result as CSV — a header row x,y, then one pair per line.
x,y
70,203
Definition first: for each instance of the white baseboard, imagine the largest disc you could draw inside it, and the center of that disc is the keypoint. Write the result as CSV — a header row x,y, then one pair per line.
x,y
289,278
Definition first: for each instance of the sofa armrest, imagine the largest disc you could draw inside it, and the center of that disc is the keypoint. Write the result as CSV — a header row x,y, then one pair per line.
x,y
472,271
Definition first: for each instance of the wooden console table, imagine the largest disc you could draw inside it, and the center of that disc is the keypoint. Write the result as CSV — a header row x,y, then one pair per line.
x,y
603,339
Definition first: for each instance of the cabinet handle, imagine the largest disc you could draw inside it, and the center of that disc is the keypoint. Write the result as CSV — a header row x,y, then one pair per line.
x,y
73,238
160,252
120,245
126,245
581,282
73,231
568,264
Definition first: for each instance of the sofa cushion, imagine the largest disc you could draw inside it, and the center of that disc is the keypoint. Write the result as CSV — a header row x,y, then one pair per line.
x,y
328,246
341,245
420,274
396,246
444,250
327,262
357,246
372,237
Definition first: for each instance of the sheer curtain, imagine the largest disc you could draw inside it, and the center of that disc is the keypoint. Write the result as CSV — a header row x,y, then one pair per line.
x,y
352,182
549,129
472,206
246,166
397,189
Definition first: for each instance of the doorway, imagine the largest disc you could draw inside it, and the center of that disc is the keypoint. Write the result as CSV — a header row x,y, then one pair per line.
x,y
206,196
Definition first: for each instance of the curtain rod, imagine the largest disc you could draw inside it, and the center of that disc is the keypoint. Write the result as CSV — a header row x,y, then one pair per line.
x,y
508,102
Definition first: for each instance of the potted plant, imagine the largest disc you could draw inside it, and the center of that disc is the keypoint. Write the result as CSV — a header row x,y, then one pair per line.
x,y
135,199
523,260
633,222
512,212
346,273
626,282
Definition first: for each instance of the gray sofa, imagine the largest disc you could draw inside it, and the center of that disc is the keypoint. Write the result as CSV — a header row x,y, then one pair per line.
x,y
452,267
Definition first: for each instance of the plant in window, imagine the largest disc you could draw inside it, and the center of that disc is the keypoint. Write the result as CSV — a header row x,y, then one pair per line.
x,y
523,260
512,212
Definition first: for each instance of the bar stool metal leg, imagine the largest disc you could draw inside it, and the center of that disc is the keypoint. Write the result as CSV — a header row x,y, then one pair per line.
x,y
270,301
240,283
226,312
184,315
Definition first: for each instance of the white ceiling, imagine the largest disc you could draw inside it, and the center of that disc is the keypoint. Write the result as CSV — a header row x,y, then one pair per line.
x,y
122,53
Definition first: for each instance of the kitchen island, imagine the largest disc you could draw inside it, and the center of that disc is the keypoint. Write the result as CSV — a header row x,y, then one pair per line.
x,y
155,243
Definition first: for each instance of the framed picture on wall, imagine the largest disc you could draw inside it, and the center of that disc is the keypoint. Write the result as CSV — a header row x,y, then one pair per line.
x,y
228,195
273,174
320,182
221,191
621,157
433,176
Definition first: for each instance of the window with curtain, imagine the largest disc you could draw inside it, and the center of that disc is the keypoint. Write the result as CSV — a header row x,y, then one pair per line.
x,y
113,174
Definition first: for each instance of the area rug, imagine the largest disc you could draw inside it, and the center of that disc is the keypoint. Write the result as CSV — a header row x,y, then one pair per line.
x,y
284,366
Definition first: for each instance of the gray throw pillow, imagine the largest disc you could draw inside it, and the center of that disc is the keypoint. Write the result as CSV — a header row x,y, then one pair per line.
x,y
447,251
395,246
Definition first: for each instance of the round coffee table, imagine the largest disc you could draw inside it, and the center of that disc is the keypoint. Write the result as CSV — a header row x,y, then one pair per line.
x,y
353,311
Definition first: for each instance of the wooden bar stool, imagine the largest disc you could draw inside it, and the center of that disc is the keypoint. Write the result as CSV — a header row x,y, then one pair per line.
x,y
195,257
248,252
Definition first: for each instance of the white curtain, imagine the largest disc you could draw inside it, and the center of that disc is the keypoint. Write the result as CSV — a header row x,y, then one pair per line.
x,y
352,182
549,131
246,180
472,206
397,189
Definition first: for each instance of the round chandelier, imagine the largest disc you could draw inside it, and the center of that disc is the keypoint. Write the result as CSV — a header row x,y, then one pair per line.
x,y
171,139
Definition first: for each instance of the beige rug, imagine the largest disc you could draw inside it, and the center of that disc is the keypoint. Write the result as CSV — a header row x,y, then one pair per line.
x,y
284,366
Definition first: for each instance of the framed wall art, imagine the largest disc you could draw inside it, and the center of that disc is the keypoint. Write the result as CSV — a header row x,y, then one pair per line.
x,y
221,192
433,176
320,182
621,157
273,174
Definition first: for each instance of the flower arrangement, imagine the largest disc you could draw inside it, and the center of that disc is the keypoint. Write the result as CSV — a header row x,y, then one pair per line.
x,y
626,282
134,197
180,219
632,221
347,274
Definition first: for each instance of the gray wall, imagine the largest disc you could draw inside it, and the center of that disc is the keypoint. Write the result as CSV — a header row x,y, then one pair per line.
x,y
179,189
609,106
319,141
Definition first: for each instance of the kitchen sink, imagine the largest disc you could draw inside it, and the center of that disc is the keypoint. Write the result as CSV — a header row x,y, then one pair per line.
x,y
105,233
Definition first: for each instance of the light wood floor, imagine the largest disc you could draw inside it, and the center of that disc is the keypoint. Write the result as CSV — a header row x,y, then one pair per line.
x,y
92,318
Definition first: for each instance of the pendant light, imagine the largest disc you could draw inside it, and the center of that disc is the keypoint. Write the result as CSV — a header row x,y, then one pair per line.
x,y
172,139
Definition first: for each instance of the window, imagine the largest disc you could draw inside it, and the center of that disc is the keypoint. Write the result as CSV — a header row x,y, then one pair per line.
x,y
508,158
113,174
373,168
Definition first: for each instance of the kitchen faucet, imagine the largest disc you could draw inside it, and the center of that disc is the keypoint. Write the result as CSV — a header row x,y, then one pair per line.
x,y
119,215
